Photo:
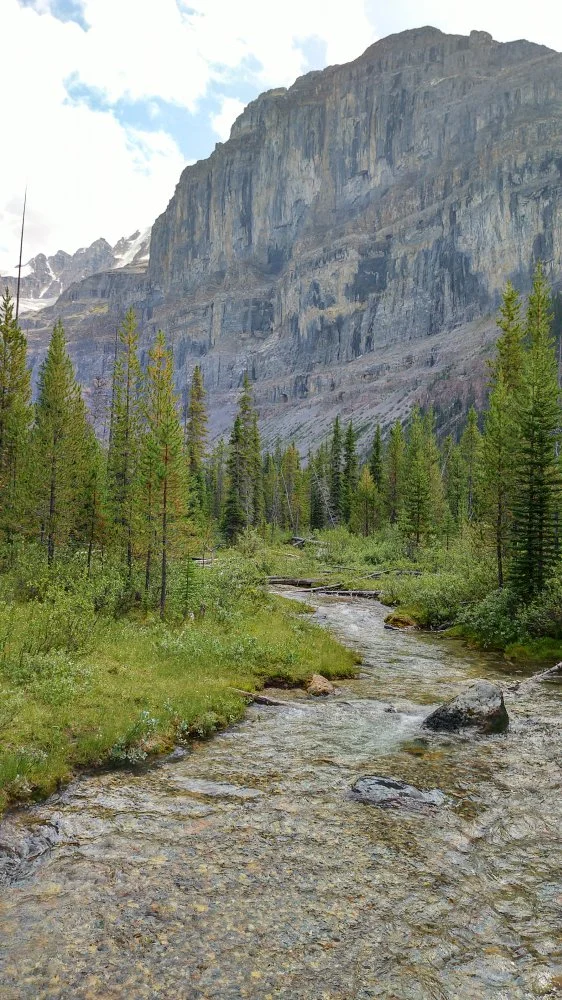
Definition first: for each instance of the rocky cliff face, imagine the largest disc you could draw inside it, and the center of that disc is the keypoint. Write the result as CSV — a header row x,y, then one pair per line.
x,y
349,243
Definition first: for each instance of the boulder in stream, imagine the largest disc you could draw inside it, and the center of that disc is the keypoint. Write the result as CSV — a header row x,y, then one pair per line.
x,y
480,706
391,793
320,686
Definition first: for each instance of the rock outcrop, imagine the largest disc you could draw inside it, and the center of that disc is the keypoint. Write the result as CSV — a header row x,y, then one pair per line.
x,y
348,244
481,706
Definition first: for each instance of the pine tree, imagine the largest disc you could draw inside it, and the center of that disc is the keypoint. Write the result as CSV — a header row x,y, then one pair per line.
x,y
59,446
350,472
499,452
536,494
336,484
15,419
376,458
196,445
124,447
393,474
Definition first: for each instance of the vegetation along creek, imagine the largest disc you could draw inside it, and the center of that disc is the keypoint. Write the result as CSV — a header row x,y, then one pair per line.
x,y
243,868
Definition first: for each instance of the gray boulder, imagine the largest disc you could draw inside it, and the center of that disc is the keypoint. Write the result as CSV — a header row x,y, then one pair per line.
x,y
480,706
390,793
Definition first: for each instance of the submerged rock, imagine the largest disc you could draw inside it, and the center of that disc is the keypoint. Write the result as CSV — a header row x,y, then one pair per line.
x,y
481,706
399,620
320,686
390,793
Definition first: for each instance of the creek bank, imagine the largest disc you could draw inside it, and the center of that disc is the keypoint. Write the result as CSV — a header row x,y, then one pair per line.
x,y
480,706
391,793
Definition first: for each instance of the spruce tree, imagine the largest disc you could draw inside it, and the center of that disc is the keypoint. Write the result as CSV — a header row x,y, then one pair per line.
x,y
336,483
510,346
393,473
15,419
536,493
376,458
363,511
59,446
235,513
422,504
350,476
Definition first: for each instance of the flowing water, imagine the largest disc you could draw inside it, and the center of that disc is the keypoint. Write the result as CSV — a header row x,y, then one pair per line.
x,y
244,869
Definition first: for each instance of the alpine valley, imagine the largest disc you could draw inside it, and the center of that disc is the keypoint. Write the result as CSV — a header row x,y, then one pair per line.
x,y
348,245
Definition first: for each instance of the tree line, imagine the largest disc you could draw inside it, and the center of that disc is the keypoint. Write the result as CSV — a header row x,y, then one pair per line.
x,y
155,487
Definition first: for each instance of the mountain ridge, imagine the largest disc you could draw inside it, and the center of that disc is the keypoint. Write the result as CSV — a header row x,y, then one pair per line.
x,y
348,244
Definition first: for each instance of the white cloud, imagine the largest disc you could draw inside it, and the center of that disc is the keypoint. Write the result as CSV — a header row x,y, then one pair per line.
x,y
222,121
91,175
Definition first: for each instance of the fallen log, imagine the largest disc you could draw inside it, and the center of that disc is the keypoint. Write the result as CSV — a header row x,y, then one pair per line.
x,y
261,699
397,572
372,595
290,581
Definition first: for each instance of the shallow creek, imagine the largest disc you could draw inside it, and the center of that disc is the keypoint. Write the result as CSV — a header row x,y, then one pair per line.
x,y
243,868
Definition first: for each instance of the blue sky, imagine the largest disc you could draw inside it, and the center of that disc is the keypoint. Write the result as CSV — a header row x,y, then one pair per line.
x,y
116,96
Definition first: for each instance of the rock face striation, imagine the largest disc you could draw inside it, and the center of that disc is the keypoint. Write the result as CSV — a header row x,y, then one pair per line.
x,y
349,243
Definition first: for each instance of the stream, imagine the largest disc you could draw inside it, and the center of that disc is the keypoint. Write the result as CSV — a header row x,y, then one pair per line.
x,y
242,867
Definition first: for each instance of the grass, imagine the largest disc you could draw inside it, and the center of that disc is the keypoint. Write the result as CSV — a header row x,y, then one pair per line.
x,y
135,686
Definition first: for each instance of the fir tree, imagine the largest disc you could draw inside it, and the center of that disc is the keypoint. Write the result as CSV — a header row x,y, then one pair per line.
x,y
59,446
422,506
536,494
510,347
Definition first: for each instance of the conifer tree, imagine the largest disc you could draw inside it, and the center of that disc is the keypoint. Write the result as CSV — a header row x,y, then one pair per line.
x,y
196,445
470,451
15,419
235,513
126,427
510,346
536,493
256,474
376,458
499,455
393,476
363,512
164,433
336,484
216,480
59,446
422,500
92,527
350,476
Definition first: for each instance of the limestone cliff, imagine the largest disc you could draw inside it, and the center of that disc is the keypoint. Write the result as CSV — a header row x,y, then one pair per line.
x,y
349,243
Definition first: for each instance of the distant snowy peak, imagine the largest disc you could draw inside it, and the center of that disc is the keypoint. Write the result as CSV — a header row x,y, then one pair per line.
x,y
43,278
133,250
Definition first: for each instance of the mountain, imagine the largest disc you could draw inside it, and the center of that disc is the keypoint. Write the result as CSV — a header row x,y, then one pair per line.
x,y
349,243
45,278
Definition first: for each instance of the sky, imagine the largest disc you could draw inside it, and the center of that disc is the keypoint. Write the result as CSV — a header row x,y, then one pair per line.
x,y
105,101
